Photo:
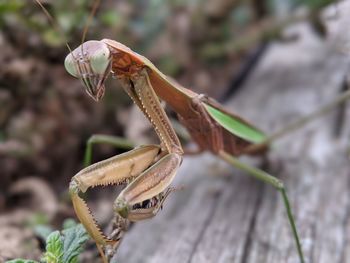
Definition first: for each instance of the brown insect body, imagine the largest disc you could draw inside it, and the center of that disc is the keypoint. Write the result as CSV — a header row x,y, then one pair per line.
x,y
204,130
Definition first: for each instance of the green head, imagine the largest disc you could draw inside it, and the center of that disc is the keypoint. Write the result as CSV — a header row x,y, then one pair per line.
x,y
90,62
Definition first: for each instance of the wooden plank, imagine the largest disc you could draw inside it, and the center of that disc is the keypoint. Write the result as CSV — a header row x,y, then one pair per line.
x,y
223,216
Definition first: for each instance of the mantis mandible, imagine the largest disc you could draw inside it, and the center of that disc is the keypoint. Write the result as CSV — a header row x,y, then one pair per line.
x,y
149,170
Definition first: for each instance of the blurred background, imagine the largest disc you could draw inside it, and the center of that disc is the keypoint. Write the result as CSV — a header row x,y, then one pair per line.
x,y
209,46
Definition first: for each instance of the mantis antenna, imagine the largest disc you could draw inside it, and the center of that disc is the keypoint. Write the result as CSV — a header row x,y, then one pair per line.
x,y
93,12
54,24
59,29
88,22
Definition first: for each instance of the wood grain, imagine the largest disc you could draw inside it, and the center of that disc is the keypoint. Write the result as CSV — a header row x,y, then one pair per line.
x,y
222,215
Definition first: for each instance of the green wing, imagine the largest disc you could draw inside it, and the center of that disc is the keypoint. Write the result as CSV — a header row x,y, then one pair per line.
x,y
236,126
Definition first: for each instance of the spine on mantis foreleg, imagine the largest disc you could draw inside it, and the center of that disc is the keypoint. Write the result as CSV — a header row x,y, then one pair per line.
x,y
151,183
151,107
116,170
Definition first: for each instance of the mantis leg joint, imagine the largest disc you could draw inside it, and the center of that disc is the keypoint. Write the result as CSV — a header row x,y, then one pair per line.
x,y
74,188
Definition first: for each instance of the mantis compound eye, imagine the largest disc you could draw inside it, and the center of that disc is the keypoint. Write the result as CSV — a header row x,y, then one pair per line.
x,y
69,64
100,60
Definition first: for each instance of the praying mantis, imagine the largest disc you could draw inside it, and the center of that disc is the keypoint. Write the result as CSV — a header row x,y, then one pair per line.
x,y
149,170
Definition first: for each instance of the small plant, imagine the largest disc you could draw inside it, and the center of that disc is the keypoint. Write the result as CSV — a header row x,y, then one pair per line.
x,y
64,246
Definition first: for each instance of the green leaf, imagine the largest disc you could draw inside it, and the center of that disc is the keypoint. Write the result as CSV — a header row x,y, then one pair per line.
x,y
52,38
19,260
74,239
68,223
236,126
54,248
111,17
63,248
10,6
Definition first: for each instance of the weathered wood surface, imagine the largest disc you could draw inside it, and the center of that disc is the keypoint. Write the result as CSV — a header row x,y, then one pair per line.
x,y
223,215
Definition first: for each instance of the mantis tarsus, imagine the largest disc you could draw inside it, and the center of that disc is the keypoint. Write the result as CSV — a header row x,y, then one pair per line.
x,y
149,170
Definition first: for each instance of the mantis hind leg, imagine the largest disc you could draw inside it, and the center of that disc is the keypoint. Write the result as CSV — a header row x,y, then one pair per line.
x,y
267,178
115,141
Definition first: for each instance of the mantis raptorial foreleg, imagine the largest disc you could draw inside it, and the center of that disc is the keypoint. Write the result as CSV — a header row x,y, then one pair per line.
x,y
151,185
139,88
146,189
118,169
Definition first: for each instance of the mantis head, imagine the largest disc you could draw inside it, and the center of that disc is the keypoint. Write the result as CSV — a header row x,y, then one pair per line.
x,y
90,62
